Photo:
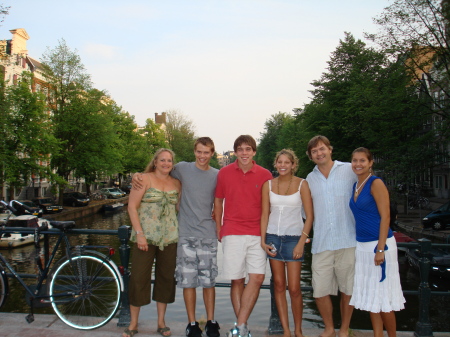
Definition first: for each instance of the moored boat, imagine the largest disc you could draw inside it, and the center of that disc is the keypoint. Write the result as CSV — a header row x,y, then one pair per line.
x,y
439,260
113,207
17,218
11,240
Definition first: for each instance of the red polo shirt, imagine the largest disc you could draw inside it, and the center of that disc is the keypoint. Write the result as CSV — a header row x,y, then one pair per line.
x,y
242,194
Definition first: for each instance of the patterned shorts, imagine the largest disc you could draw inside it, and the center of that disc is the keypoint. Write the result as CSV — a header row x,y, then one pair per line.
x,y
196,262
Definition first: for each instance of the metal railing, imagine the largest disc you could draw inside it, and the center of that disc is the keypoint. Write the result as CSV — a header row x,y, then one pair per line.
x,y
423,325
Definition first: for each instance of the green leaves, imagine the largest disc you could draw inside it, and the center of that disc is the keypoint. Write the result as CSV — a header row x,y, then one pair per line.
x,y
27,133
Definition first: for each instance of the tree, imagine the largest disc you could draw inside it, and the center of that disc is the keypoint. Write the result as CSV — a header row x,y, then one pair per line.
x,y
27,134
363,99
363,96
68,83
135,154
416,32
96,147
269,143
180,135
3,12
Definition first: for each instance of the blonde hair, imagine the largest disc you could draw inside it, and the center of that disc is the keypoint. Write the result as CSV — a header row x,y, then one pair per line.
x,y
291,156
152,164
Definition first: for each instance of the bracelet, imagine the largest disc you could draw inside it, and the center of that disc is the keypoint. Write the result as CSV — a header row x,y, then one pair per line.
x,y
380,251
139,232
305,234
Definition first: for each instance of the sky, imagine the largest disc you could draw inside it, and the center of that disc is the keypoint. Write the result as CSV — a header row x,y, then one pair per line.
x,y
227,65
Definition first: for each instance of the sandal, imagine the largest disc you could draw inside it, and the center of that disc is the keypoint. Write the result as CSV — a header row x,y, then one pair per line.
x,y
164,330
129,332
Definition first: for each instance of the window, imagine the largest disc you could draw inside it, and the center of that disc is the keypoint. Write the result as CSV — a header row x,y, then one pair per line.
x,y
438,182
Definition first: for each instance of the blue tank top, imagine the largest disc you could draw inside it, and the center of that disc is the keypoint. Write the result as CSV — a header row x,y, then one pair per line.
x,y
366,214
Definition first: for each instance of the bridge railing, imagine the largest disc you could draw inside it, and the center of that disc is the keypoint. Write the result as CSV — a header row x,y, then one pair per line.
x,y
423,325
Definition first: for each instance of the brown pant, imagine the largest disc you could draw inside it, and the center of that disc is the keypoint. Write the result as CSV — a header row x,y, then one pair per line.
x,y
141,275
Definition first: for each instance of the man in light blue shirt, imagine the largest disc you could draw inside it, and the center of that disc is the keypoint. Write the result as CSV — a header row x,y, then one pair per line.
x,y
334,242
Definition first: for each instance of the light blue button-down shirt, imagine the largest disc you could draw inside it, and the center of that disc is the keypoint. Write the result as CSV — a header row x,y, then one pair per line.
x,y
334,224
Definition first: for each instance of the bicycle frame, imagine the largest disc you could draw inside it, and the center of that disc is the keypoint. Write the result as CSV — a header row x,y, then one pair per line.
x,y
43,272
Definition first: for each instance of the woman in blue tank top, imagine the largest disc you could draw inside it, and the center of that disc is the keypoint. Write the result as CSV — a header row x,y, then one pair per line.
x,y
377,287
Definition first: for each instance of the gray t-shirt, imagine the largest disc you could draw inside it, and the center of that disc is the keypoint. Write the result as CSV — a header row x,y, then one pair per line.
x,y
197,199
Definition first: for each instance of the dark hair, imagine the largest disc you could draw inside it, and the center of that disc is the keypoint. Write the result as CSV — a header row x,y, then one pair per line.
x,y
244,139
151,165
364,150
315,141
205,141
291,156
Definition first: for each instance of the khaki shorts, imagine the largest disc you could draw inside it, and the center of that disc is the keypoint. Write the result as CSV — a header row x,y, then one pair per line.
x,y
333,270
242,255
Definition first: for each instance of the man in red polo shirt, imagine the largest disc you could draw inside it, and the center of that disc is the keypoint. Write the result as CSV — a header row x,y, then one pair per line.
x,y
237,209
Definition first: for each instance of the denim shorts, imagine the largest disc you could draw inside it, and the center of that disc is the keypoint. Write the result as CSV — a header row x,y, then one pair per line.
x,y
285,245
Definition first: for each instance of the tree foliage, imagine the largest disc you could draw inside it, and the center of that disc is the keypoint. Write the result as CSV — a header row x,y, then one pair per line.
x,y
3,12
83,119
180,135
416,32
27,136
363,99
96,147
269,143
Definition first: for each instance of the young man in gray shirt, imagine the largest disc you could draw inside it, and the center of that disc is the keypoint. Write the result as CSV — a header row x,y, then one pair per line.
x,y
197,243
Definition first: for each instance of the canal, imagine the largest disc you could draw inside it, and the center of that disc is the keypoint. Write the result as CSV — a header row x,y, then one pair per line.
x,y
22,258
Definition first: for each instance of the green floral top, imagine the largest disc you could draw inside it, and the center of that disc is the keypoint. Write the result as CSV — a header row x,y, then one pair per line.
x,y
158,218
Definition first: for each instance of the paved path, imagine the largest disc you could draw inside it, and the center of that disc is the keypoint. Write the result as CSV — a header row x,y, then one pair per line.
x,y
14,325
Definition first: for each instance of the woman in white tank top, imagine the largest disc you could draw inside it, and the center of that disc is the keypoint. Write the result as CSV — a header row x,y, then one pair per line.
x,y
284,234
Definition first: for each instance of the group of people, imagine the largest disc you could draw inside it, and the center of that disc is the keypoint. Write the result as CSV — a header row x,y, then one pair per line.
x,y
255,217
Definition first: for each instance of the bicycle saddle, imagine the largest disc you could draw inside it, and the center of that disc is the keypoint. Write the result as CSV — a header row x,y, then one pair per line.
x,y
63,225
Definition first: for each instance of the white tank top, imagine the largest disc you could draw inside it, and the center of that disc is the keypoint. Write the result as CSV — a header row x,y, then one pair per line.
x,y
285,213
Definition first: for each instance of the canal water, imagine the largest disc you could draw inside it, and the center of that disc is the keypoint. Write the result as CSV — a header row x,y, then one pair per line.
x,y
22,258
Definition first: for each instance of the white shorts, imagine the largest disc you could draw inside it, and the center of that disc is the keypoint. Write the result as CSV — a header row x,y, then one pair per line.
x,y
242,255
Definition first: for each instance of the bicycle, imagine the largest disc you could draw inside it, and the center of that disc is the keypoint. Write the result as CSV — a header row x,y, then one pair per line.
x,y
419,202
97,196
84,287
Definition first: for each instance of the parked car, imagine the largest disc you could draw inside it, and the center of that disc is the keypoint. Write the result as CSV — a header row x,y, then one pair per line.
x,y
112,192
438,219
35,210
47,204
75,199
120,191
126,188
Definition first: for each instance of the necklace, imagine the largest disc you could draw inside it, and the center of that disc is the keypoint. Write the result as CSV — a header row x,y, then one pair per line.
x,y
290,181
358,188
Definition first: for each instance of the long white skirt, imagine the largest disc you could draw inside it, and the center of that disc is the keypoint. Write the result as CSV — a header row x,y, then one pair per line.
x,y
369,293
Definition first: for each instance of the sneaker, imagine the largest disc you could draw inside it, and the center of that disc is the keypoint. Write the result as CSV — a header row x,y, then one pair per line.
x,y
239,332
193,330
212,329
234,332
243,331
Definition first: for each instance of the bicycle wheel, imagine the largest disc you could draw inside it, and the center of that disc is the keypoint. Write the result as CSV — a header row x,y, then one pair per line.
x,y
424,203
85,291
4,286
